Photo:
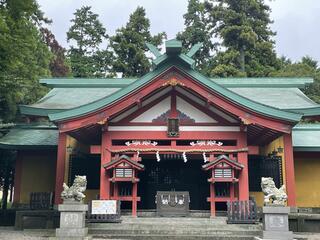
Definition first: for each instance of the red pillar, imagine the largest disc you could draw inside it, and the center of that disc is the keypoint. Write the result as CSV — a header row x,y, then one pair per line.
x,y
231,191
60,167
105,158
289,167
134,199
17,178
212,202
244,175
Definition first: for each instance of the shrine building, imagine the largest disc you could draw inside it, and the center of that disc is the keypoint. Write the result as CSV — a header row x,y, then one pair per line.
x,y
173,129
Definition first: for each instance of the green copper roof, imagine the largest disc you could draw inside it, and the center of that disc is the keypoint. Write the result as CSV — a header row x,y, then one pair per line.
x,y
59,99
91,107
306,138
283,98
87,82
263,82
311,111
226,82
173,46
43,137
245,102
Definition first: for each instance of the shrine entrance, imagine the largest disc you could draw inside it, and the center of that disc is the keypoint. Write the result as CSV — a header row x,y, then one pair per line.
x,y
171,173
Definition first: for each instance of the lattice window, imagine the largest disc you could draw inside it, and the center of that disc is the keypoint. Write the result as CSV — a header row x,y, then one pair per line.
x,y
124,172
223,173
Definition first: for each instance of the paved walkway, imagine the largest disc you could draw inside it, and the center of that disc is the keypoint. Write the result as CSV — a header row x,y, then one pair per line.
x,y
8,233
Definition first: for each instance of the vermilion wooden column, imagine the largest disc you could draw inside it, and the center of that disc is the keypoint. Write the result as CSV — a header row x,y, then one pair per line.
x,y
231,191
134,199
60,167
244,175
17,178
105,158
212,201
289,166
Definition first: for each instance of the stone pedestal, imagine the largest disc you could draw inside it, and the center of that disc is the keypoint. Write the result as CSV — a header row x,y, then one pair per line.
x,y
72,221
276,223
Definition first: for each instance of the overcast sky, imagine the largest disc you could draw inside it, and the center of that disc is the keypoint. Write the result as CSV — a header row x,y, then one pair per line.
x,y
297,22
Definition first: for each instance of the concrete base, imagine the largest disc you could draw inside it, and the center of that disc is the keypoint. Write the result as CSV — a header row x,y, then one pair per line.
x,y
36,219
76,233
276,223
276,235
72,221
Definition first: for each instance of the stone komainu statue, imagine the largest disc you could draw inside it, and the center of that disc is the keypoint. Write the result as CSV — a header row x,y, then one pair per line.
x,y
273,195
75,192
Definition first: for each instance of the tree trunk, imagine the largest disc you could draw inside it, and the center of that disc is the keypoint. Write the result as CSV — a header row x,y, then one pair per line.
x,y
5,190
242,59
11,189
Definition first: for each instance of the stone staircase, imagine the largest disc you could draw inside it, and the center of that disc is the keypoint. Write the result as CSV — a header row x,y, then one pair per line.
x,y
152,228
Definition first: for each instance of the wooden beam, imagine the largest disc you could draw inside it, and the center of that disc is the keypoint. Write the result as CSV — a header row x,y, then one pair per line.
x,y
95,149
215,116
253,150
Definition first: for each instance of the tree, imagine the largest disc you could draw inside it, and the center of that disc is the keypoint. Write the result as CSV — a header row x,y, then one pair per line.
x,y
244,28
58,64
128,45
24,58
197,31
7,162
87,33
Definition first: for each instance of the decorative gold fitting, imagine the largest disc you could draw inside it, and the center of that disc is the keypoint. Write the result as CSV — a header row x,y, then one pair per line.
x,y
173,82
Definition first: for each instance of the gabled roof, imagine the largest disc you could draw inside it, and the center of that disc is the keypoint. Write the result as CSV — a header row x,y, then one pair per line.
x,y
182,62
72,98
222,158
123,158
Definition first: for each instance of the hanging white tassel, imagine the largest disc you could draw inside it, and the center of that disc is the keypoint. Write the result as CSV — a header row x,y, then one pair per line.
x,y
138,153
158,156
184,156
204,157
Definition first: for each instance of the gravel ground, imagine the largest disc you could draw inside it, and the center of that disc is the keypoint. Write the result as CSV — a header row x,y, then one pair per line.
x,y
8,233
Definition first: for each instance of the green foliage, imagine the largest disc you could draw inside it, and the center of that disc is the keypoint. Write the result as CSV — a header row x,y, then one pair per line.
x,y
197,31
129,47
87,34
58,65
24,58
246,46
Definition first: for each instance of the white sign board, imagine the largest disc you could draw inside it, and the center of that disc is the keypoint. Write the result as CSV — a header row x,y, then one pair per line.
x,y
104,207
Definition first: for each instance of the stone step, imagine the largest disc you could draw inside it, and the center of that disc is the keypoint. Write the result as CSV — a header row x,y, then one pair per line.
x,y
172,237
175,231
174,227
177,221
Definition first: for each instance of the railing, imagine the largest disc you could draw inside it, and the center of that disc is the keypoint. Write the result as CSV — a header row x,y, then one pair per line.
x,y
242,211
